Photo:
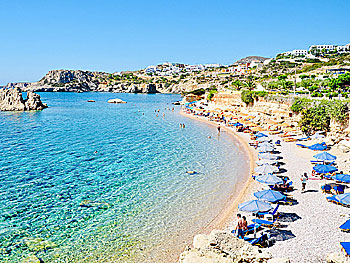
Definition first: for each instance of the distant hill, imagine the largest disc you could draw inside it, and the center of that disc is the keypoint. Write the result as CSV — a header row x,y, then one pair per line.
x,y
250,59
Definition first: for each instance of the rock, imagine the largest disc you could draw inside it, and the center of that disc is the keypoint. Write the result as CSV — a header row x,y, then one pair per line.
x,y
336,258
222,246
39,244
116,101
12,100
200,241
278,260
32,259
196,256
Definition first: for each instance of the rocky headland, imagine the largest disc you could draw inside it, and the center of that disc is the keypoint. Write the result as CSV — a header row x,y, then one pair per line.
x,y
127,82
12,100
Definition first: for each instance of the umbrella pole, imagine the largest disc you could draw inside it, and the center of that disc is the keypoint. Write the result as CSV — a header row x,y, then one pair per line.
x,y
255,226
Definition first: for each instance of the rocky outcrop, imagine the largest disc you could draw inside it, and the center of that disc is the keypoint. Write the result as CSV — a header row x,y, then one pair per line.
x,y
224,247
116,101
12,100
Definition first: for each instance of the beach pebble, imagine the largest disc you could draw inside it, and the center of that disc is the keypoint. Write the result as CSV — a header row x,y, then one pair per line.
x,y
336,258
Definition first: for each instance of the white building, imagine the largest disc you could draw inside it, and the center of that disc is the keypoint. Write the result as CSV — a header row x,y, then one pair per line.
x,y
299,52
321,47
343,49
192,68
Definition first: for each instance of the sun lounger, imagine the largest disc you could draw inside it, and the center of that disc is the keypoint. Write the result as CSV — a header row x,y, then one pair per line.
x,y
266,223
339,189
326,188
250,229
346,248
273,213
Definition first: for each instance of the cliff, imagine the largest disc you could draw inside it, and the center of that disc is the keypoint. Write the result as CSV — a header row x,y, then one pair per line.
x,y
12,100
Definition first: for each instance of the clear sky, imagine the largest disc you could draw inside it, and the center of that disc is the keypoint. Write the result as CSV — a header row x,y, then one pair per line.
x,y
106,35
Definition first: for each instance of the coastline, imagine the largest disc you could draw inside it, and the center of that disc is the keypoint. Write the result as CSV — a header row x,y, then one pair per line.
x,y
241,190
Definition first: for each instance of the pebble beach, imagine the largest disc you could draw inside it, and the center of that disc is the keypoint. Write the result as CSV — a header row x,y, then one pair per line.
x,y
309,229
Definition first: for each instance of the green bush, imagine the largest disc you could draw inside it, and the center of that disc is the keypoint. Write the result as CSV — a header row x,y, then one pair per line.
x,y
314,119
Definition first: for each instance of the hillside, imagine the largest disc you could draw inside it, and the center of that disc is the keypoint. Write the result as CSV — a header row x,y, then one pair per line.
x,y
249,59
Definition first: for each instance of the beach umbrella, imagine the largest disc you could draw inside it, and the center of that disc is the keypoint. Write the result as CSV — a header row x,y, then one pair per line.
x,y
318,147
265,148
266,144
262,162
254,206
269,179
342,198
345,178
268,156
260,134
263,139
325,156
266,169
269,195
324,168
317,135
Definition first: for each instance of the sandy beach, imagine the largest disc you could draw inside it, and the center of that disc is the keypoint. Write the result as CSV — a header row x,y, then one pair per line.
x,y
309,230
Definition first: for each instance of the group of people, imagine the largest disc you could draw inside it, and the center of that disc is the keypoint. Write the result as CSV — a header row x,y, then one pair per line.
x,y
242,226
182,125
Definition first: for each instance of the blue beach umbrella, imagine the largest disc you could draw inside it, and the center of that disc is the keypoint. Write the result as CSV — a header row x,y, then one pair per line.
x,y
268,156
269,195
260,134
324,168
345,226
345,178
318,147
342,198
325,156
266,168
266,143
254,206
265,148
269,179
237,124
263,139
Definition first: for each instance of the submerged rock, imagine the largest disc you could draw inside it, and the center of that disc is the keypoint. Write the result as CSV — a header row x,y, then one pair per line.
x,y
12,100
32,259
39,244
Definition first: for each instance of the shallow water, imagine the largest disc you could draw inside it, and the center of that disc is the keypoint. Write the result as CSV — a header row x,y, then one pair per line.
x,y
131,200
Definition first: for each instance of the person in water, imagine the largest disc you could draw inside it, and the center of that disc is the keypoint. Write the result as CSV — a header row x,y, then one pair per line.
x,y
219,128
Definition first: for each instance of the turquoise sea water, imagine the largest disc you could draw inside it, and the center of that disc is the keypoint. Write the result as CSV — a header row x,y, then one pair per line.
x,y
132,201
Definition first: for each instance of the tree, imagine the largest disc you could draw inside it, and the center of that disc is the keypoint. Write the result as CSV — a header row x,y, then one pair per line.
x,y
249,84
237,84
314,119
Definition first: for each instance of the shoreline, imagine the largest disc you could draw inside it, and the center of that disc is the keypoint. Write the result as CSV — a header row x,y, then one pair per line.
x,y
241,190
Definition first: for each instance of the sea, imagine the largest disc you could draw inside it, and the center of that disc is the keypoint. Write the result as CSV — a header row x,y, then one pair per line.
x,y
98,182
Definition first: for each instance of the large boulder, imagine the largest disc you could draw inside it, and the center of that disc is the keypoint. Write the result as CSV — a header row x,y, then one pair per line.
x,y
12,100
222,247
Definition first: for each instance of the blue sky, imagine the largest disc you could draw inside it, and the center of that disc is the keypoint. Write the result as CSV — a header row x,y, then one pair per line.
x,y
105,35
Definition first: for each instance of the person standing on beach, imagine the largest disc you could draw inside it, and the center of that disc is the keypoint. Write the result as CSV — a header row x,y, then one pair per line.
x,y
303,179
239,227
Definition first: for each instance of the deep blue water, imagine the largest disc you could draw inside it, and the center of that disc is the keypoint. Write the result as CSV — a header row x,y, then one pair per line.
x,y
63,202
